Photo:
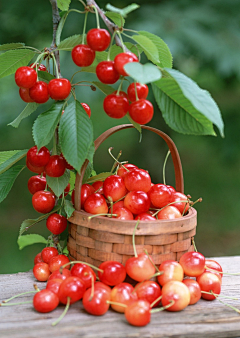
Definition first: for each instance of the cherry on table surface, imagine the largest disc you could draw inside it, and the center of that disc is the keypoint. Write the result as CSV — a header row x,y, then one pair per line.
x,y
96,302
45,301
122,293
112,273
72,287
138,313
48,253
84,272
193,263
140,268
194,289
54,285
149,291
172,270
57,261
41,271
178,292
209,282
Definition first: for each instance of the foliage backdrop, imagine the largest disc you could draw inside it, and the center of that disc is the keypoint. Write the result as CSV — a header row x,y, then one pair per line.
x,y
204,39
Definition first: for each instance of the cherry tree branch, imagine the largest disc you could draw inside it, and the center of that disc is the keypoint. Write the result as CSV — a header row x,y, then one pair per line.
x,y
56,19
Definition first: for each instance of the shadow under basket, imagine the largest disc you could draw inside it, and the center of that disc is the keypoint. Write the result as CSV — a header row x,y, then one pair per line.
x,y
99,239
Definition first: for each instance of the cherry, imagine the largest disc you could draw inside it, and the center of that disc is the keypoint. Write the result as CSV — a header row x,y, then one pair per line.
x,y
38,66
39,92
59,89
114,187
98,39
38,258
83,55
25,77
56,223
112,273
122,171
43,201
122,59
178,292
106,72
96,204
195,290
115,105
213,265
123,214
209,282
142,91
149,291
160,195
122,293
67,165
98,186
137,202
57,261
60,275
24,94
84,272
116,205
38,158
169,212
54,285
100,285
138,313
37,170
55,166
48,252
140,268
41,271
141,111
172,270
138,179
96,302
144,216
181,206
86,108
36,183
193,263
73,288
86,191
45,301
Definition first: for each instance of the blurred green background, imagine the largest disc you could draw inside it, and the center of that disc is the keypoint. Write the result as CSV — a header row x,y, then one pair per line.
x,y
204,38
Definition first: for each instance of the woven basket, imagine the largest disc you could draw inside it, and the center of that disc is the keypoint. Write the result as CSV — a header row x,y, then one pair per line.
x,y
102,238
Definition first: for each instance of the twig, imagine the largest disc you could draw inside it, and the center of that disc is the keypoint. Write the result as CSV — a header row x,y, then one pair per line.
x,y
56,19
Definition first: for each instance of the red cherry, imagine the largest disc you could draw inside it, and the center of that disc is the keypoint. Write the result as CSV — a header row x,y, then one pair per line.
x,y
83,55
40,67
86,191
141,111
114,187
106,72
59,89
172,270
56,223
56,274
213,265
86,108
48,253
96,204
36,183
122,59
55,166
140,268
122,293
45,301
123,214
38,258
160,195
115,106
178,292
84,272
169,212
24,94
142,91
98,186
209,282
57,261
181,206
138,313
144,216
54,285
96,304
98,39
113,273
43,201
37,170
122,171
38,158
194,289
25,77
117,205
67,165
137,179
137,201
72,287
41,271
39,92
149,291
193,263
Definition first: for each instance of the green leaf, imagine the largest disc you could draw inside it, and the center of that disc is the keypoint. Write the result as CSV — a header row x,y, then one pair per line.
x,y
60,26
45,76
116,18
178,111
28,110
123,11
46,123
29,240
148,47
7,179
68,207
91,153
106,89
63,4
9,158
164,54
99,177
100,56
75,134
58,184
28,223
70,42
11,60
13,45
143,73
136,125
72,180
90,69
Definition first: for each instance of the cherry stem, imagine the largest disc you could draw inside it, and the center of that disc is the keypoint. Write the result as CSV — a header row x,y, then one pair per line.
x,y
20,303
97,17
84,27
216,295
115,303
116,159
92,289
122,43
64,312
108,215
152,261
186,201
73,262
194,245
223,273
109,51
135,87
56,66
154,275
111,204
164,167
163,308
115,164
133,239
155,301
20,294
120,86
232,307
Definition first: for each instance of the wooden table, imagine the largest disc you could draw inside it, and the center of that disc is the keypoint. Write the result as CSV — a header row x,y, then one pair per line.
x,y
204,319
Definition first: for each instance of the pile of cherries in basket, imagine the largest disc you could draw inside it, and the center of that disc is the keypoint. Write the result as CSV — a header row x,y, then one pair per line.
x,y
173,284
130,194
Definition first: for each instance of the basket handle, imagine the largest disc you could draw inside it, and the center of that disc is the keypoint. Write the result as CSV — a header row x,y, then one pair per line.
x,y
171,145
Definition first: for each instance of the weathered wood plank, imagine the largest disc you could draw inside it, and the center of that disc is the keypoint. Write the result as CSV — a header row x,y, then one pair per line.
x,y
204,319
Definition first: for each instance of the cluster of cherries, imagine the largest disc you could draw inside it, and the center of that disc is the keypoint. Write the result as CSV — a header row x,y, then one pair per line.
x,y
175,285
130,194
